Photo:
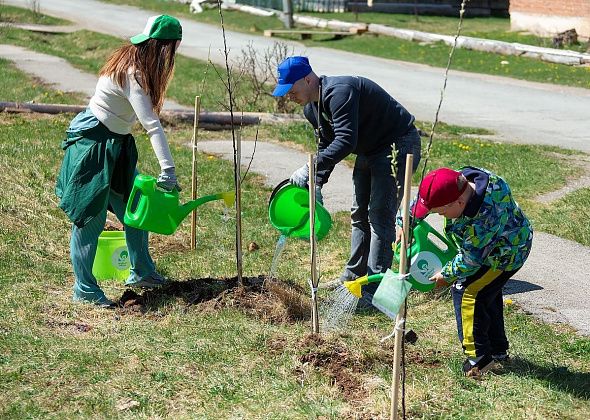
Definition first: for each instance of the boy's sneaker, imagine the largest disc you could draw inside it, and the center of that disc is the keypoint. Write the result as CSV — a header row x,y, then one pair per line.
x,y
501,357
476,368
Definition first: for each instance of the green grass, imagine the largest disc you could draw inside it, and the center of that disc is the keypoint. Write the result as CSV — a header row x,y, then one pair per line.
x,y
89,50
478,27
176,360
435,54
17,87
64,360
12,14
566,217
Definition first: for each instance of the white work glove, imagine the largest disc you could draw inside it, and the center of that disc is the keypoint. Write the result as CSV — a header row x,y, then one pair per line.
x,y
318,195
167,180
300,177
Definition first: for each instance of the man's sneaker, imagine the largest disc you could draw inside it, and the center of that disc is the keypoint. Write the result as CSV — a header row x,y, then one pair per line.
x,y
476,368
501,357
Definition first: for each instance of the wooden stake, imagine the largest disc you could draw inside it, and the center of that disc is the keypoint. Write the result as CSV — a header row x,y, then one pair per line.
x,y
194,179
315,325
239,206
400,321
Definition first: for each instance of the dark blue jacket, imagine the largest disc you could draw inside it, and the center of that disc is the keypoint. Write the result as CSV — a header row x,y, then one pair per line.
x,y
357,116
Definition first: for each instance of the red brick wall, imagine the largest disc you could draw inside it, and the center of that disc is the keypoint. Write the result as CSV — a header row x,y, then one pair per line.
x,y
552,7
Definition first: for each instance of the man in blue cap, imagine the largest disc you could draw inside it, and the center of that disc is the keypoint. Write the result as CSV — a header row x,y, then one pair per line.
x,y
353,114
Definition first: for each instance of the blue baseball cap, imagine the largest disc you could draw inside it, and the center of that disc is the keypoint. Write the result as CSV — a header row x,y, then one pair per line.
x,y
291,70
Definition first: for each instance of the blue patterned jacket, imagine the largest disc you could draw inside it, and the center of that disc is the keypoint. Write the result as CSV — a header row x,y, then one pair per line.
x,y
492,231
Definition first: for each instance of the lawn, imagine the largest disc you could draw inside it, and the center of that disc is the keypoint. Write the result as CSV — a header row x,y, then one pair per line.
x,y
191,351
196,349
179,353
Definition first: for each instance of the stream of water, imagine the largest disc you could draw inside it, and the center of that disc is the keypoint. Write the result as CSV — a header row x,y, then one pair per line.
x,y
337,309
275,260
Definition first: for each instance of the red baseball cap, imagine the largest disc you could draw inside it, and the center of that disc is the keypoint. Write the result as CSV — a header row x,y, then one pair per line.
x,y
437,189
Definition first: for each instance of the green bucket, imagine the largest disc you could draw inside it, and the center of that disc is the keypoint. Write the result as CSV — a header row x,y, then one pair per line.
x,y
288,211
112,257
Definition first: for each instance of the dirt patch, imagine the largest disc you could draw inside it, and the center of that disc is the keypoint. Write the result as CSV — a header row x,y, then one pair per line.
x,y
113,225
169,243
73,326
271,300
432,358
344,367
347,367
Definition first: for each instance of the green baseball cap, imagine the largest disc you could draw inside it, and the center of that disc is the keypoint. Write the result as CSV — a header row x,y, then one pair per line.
x,y
159,27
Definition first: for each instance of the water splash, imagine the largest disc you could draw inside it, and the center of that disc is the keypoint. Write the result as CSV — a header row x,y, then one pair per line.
x,y
275,260
225,216
337,310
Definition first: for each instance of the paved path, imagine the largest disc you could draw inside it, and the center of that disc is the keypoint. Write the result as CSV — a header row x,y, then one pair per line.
x,y
58,73
517,110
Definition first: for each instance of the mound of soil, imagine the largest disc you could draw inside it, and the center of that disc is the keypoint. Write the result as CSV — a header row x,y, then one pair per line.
x,y
269,299
346,367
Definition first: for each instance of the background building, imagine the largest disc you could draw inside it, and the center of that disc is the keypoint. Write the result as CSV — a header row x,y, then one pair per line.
x,y
548,17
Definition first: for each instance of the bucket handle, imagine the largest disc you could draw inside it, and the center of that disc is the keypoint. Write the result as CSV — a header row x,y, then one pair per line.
x,y
277,188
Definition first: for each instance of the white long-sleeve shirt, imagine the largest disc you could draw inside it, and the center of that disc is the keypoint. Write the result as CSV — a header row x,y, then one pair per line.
x,y
119,107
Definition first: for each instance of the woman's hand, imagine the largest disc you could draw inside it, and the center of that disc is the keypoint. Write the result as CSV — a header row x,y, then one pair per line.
x,y
167,180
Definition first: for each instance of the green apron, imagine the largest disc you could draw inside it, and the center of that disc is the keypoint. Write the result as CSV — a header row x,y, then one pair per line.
x,y
96,160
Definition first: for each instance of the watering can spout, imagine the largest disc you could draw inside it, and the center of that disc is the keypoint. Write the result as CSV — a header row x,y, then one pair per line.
x,y
159,211
355,286
228,198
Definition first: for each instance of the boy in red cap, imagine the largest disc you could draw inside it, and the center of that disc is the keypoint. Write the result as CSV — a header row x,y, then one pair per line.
x,y
494,239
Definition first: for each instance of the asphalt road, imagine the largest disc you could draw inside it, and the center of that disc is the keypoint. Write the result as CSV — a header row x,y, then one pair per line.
x,y
516,110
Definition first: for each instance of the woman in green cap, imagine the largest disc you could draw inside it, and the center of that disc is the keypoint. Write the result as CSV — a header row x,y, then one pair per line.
x,y
100,159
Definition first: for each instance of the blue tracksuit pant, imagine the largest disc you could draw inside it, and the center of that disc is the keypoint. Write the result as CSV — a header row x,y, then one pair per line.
x,y
480,313
83,246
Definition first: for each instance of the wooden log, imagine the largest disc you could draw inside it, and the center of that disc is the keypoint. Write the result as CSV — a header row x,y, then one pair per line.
x,y
487,45
250,9
306,34
331,24
213,118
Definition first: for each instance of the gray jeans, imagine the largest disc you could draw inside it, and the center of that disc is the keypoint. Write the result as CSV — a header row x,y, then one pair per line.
x,y
376,197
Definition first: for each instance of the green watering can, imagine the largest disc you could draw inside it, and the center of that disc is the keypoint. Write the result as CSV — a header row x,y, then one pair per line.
x,y
288,211
160,211
426,256
390,294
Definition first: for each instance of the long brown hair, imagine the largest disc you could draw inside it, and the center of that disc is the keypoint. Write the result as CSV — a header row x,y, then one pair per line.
x,y
153,62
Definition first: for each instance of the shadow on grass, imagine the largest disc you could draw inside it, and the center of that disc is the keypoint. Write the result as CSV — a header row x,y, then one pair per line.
x,y
576,383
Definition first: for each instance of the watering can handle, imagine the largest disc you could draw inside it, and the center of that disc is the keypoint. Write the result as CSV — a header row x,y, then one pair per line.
x,y
130,214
